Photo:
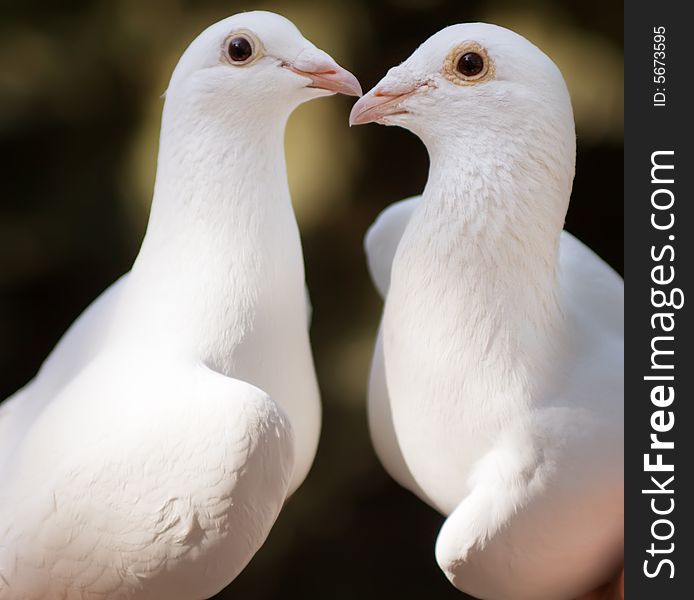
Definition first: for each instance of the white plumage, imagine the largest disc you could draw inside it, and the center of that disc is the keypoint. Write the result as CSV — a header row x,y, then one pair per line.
x,y
152,453
496,392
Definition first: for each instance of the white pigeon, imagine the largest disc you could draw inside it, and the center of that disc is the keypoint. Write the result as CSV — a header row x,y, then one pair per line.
x,y
152,453
496,392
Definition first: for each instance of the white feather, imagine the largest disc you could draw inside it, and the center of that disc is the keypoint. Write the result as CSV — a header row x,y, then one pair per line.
x,y
496,391
152,453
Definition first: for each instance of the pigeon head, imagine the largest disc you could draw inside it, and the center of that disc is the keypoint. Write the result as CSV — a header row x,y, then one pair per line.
x,y
468,78
256,61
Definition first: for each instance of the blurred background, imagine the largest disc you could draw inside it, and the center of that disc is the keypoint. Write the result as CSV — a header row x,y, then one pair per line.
x,y
80,103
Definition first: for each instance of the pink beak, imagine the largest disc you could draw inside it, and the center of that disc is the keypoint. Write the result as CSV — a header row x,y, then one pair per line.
x,y
327,75
380,102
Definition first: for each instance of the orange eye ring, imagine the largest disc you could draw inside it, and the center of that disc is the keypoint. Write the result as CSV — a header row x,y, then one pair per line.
x,y
468,64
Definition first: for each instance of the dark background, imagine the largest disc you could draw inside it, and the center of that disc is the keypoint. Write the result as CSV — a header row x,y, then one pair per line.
x,y
651,129
80,86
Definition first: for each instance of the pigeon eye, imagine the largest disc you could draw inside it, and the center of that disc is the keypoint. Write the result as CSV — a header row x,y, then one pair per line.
x,y
470,64
240,49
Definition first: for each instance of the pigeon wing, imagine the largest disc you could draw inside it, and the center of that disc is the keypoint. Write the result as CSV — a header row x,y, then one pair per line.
x,y
382,239
166,504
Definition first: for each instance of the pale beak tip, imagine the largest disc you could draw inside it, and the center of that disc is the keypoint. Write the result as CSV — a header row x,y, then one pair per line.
x,y
356,115
328,76
352,87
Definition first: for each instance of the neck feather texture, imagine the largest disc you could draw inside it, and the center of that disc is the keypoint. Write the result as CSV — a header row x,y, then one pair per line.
x,y
477,264
222,238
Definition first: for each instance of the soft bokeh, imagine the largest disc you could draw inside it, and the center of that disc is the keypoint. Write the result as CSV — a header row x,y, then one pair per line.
x,y
80,103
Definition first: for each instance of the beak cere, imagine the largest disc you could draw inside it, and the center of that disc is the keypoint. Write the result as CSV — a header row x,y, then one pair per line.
x,y
329,76
377,104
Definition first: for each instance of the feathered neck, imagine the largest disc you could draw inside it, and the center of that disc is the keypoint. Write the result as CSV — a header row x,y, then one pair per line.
x,y
478,261
222,236
505,191
219,168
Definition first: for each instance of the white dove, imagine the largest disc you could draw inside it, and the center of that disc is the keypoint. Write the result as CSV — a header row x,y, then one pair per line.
x,y
496,392
152,453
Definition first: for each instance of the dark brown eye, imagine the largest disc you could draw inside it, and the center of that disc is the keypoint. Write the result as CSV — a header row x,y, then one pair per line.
x,y
240,49
470,64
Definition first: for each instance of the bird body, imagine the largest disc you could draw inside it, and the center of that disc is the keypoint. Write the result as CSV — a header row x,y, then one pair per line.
x,y
154,450
171,503
496,392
